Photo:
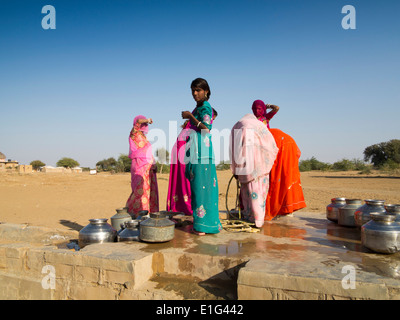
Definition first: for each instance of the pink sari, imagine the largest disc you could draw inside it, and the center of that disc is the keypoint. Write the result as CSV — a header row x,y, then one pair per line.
x,y
144,186
179,194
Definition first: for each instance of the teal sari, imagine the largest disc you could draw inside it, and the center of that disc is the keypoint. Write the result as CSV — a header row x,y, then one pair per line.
x,y
201,172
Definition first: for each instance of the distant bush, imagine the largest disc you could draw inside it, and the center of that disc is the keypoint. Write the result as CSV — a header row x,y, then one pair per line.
x,y
162,167
223,166
349,165
36,164
391,167
67,163
313,164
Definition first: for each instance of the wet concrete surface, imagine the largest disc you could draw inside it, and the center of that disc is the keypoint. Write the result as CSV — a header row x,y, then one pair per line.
x,y
291,238
303,245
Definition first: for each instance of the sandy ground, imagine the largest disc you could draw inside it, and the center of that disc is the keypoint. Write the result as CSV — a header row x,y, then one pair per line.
x,y
68,201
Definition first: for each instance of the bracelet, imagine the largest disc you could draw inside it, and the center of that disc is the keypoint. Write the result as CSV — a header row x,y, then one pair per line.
x,y
198,124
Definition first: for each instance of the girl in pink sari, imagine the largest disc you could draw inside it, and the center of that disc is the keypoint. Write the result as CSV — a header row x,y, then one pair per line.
x,y
144,186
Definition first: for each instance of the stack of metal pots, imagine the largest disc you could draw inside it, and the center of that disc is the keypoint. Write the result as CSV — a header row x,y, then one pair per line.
x,y
379,223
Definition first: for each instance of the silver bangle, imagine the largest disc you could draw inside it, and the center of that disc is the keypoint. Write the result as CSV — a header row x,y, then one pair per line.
x,y
198,124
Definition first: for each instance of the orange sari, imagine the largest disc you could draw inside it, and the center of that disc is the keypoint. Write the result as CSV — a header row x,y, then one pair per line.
x,y
285,193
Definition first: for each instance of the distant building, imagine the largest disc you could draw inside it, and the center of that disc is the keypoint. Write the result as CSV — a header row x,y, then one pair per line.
x,y
7,164
50,169
25,168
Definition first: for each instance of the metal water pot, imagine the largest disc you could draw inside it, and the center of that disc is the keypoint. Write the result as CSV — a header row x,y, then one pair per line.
x,y
394,209
346,213
130,232
362,214
157,228
332,209
97,231
118,220
381,234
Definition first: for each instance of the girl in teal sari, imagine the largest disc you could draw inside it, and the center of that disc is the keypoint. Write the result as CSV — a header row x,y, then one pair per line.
x,y
200,167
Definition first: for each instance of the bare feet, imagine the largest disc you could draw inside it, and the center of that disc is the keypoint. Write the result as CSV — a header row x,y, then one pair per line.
x,y
198,233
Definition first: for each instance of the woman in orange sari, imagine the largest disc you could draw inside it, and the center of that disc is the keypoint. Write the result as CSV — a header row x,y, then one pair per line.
x,y
285,194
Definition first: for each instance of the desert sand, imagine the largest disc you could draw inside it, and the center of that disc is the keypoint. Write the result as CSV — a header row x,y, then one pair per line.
x,y
68,201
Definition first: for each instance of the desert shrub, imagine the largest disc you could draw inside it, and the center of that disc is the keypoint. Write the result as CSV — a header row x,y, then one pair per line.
x,y
67,163
223,166
313,164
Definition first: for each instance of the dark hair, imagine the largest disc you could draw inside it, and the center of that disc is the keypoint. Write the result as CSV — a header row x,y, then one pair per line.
x,y
202,84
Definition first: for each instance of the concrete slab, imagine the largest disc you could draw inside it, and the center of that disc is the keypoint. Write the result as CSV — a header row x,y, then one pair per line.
x,y
304,256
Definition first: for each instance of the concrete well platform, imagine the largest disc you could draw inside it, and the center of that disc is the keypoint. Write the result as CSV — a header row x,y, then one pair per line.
x,y
304,256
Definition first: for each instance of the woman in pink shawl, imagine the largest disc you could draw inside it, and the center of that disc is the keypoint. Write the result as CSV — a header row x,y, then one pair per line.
x,y
144,194
253,152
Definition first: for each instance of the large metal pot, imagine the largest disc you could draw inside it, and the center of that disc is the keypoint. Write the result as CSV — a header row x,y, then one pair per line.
x,y
381,234
157,228
97,231
332,209
130,232
362,214
118,220
346,213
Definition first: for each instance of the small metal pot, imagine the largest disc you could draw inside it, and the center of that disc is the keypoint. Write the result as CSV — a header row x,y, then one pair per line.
x,y
120,217
130,232
381,234
362,214
157,228
97,231
332,209
346,213
394,209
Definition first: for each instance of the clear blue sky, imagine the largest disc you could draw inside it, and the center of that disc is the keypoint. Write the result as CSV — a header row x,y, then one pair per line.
x,y
74,91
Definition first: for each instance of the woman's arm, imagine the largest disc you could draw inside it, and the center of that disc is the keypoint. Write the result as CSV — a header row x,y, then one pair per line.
x,y
273,107
141,121
188,115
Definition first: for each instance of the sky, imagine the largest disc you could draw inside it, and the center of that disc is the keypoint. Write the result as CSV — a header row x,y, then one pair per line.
x,y
74,91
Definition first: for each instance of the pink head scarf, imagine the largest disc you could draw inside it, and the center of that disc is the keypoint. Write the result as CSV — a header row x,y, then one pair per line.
x,y
139,146
144,127
256,111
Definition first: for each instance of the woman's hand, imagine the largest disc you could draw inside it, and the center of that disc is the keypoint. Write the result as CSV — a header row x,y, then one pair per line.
x,y
186,115
149,121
